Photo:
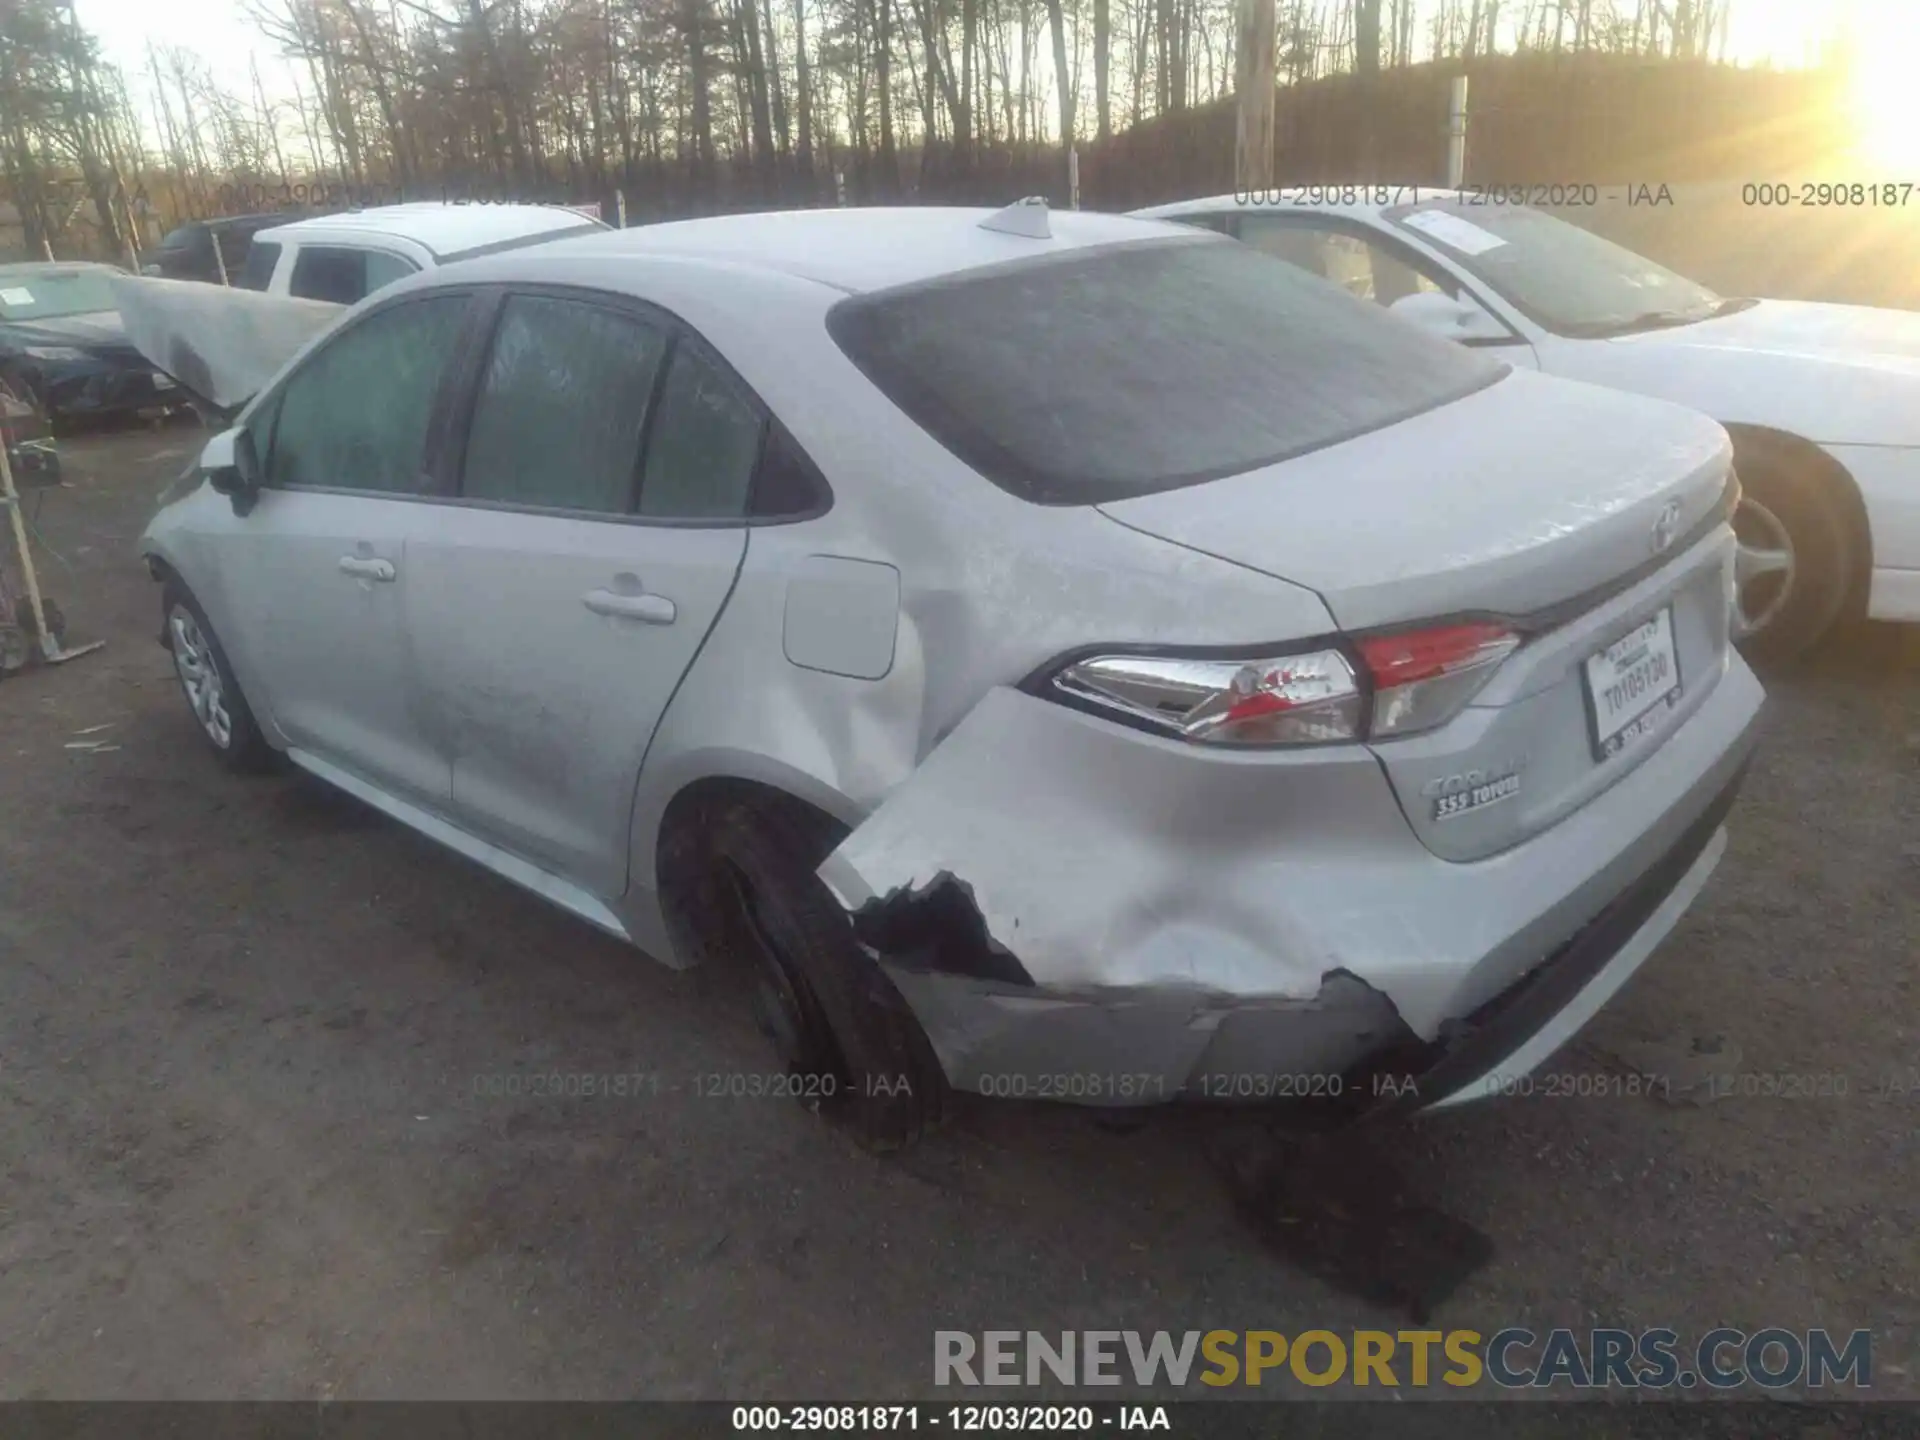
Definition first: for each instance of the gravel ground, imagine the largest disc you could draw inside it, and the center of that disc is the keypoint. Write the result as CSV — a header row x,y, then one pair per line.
x,y
241,1023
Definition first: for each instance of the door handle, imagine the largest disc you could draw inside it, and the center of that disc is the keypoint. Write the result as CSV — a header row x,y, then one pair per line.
x,y
653,609
362,568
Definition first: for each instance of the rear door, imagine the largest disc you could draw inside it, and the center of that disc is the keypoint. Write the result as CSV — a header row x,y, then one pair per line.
x,y
318,570
595,536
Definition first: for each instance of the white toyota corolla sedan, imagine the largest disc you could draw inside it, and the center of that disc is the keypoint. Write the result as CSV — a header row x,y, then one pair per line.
x,y
1822,401
1062,656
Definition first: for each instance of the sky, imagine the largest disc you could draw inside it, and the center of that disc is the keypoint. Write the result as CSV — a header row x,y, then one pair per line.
x,y
1786,32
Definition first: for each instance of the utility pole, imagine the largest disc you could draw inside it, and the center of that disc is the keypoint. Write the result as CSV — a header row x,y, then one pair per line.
x,y
1253,81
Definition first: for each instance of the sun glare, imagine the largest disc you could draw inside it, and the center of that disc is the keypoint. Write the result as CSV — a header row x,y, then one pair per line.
x,y
1886,90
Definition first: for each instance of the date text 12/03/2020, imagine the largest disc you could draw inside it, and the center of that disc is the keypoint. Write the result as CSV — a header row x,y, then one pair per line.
x,y
961,1419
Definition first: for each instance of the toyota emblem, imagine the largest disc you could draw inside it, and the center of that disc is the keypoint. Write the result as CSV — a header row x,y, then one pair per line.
x,y
1665,526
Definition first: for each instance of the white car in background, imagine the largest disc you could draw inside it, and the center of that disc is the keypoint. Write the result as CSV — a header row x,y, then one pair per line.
x,y
343,258
1822,401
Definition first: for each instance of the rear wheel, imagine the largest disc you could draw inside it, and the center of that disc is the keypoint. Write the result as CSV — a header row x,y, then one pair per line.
x,y
743,882
1798,558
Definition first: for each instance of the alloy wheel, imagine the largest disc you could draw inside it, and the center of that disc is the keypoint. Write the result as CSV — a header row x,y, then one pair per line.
x,y
1763,568
200,676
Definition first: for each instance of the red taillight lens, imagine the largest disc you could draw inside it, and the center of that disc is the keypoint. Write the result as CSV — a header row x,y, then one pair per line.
x,y
1421,678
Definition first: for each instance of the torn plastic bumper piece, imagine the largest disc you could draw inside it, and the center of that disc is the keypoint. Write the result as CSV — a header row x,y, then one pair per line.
x,y
1075,911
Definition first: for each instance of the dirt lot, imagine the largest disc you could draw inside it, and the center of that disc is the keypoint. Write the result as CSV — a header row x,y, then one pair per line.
x,y
242,1022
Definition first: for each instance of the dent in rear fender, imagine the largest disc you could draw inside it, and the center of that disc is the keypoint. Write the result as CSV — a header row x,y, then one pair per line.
x,y
1102,859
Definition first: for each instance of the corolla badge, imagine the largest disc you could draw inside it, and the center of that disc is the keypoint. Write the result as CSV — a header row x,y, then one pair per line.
x,y
1665,526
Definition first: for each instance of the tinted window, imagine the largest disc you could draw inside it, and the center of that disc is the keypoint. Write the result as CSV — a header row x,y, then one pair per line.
x,y
383,269
321,272
355,415
1135,369
787,483
258,270
558,418
184,238
704,443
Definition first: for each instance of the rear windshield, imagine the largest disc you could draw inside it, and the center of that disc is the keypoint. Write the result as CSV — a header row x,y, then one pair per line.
x,y
1142,368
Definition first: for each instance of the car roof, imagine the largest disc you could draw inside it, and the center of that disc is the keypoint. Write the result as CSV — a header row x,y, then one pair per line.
x,y
444,228
1369,200
857,250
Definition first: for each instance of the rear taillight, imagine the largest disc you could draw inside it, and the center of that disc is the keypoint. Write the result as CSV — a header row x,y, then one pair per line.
x,y
1411,681
1421,678
1282,700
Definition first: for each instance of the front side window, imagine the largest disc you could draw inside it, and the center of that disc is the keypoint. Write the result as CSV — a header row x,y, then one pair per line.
x,y
558,419
1565,278
704,444
1129,369
355,415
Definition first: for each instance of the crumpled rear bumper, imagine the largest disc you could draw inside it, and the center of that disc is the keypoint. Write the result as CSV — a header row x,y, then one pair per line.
x,y
1083,913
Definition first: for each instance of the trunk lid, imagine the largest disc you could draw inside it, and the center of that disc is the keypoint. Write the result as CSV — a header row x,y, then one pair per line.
x,y
1582,516
1520,496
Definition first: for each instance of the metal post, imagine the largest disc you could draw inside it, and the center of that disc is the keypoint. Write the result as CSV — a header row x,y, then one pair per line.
x,y
10,498
620,209
840,187
1073,177
1457,134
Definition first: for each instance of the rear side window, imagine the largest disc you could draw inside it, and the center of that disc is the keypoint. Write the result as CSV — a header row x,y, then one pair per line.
x,y
258,270
704,444
326,272
354,416
1141,368
558,418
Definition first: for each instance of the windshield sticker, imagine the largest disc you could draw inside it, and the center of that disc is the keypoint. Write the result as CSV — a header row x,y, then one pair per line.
x,y
1452,231
16,296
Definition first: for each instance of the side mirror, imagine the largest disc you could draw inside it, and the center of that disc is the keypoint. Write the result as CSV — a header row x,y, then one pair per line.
x,y
1450,319
232,468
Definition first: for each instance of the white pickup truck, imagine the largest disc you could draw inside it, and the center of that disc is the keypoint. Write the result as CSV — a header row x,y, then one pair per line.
x,y
343,258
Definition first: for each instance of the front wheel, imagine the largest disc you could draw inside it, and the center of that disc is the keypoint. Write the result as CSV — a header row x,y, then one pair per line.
x,y
211,692
1797,559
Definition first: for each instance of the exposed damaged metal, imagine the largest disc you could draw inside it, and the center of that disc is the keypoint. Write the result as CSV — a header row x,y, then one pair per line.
x,y
937,928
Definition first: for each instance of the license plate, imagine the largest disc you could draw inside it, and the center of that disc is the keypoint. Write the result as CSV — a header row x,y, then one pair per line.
x,y
162,382
1632,686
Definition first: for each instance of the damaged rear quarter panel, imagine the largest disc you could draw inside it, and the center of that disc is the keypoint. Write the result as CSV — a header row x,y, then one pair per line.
x,y
974,610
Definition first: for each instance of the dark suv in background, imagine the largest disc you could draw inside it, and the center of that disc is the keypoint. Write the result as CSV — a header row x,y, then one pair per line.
x,y
187,253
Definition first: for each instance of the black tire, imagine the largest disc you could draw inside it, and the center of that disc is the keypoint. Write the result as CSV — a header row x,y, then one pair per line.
x,y
1812,507
839,1023
244,749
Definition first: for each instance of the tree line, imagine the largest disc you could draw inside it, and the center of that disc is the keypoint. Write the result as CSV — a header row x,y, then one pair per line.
x,y
693,105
